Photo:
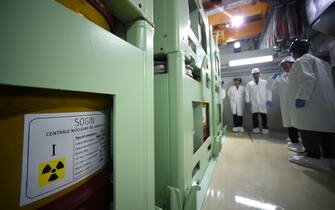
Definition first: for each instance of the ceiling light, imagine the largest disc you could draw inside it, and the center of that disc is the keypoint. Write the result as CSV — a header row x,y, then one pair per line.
x,y
230,40
237,44
227,25
236,21
248,61
254,203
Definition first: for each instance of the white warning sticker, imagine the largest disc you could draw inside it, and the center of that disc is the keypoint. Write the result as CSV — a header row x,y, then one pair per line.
x,y
59,150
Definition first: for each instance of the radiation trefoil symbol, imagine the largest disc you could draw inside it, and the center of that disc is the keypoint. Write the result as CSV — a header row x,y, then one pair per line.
x,y
51,171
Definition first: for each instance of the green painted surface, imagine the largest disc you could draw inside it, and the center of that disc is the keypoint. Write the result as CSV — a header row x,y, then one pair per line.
x,y
197,125
171,22
174,158
162,136
45,45
217,129
130,10
178,167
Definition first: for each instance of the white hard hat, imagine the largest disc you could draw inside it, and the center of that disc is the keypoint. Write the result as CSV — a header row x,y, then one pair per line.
x,y
255,71
288,59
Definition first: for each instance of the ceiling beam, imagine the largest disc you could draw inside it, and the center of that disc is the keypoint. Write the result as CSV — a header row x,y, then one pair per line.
x,y
249,30
210,4
247,10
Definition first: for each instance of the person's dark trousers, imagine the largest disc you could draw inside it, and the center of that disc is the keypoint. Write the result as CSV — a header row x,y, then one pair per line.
x,y
318,143
238,120
235,120
255,120
293,134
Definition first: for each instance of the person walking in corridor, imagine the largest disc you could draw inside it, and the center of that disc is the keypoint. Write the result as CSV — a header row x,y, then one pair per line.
x,y
258,97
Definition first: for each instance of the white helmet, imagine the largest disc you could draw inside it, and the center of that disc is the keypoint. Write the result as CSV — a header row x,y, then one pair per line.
x,y
288,59
255,71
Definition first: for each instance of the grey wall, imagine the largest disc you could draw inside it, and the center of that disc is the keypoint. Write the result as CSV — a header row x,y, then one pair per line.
x,y
267,69
226,49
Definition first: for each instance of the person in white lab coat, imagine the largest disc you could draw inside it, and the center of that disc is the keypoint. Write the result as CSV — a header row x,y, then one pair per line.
x,y
280,83
258,97
236,99
312,103
222,96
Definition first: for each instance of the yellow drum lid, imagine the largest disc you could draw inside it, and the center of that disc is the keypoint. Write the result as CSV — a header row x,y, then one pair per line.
x,y
85,9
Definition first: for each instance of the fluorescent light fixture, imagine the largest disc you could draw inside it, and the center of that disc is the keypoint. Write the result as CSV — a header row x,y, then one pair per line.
x,y
248,61
237,20
230,40
237,44
254,203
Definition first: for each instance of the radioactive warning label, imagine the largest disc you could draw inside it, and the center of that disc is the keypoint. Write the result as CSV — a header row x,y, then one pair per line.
x,y
59,150
51,171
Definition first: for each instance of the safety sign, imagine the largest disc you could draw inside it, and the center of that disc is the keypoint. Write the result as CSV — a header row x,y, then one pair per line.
x,y
59,150
51,171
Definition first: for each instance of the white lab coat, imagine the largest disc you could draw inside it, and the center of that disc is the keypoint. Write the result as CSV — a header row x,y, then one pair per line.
x,y
257,95
236,98
310,79
223,94
281,84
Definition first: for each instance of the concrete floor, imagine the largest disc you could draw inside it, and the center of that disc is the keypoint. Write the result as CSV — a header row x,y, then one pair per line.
x,y
254,173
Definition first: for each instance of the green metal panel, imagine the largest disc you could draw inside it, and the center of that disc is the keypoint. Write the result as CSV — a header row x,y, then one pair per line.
x,y
141,35
173,30
203,156
171,23
179,150
45,45
162,136
173,131
175,95
197,128
131,10
217,129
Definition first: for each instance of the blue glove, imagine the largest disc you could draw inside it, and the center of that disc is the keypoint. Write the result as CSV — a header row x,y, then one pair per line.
x,y
248,105
300,103
269,104
275,75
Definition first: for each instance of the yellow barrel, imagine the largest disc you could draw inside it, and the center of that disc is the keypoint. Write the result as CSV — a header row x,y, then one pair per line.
x,y
35,114
85,9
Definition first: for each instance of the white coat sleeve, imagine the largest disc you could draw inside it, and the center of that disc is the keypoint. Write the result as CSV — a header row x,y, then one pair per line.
x,y
306,79
274,83
329,71
247,93
223,94
229,93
